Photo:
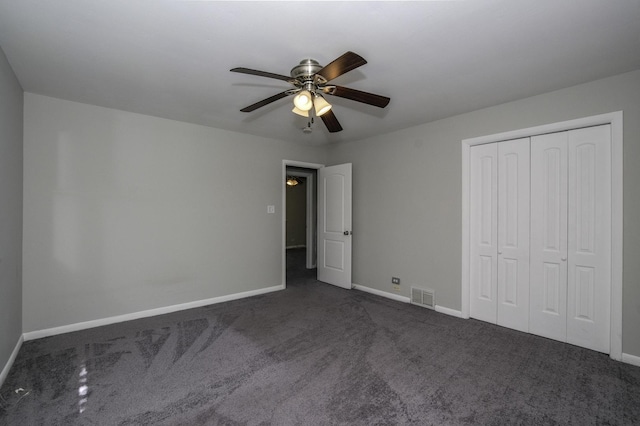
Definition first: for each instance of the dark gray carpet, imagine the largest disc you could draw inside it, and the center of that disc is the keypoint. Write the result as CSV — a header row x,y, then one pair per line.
x,y
314,354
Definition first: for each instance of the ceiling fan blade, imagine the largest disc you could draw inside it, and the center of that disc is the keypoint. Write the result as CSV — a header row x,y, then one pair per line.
x,y
345,63
329,119
261,73
358,96
266,101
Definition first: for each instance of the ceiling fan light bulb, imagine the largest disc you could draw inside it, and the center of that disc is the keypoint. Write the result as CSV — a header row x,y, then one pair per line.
x,y
321,105
298,111
303,100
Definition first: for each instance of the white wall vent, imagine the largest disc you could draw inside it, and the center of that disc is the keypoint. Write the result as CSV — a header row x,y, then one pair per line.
x,y
423,297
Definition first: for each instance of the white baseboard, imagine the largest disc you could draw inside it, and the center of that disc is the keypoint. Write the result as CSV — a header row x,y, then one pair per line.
x,y
405,299
450,311
392,296
143,314
631,359
10,361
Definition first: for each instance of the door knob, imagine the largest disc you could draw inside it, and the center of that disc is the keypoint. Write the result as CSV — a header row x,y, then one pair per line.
x,y
347,232
564,259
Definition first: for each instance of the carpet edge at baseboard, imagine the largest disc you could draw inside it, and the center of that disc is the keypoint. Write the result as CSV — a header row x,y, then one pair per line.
x,y
10,361
449,311
631,359
400,298
381,293
38,334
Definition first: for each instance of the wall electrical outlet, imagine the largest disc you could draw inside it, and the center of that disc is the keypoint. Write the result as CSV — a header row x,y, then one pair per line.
x,y
395,280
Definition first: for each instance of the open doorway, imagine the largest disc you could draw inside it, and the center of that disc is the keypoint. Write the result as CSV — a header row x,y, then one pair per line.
x,y
330,211
300,224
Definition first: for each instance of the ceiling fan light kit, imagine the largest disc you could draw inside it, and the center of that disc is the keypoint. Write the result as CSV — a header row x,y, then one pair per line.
x,y
298,111
321,105
303,100
310,79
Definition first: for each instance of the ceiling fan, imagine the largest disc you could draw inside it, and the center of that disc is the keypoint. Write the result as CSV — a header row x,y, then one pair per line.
x,y
311,83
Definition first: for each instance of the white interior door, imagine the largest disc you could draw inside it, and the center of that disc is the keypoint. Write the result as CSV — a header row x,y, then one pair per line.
x,y
334,225
571,237
548,291
589,230
483,224
575,233
513,234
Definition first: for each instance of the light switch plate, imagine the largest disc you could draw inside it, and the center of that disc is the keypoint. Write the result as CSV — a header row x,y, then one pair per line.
x,y
271,209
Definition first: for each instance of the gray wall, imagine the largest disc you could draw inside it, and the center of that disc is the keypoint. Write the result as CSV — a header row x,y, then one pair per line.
x,y
10,210
407,191
125,212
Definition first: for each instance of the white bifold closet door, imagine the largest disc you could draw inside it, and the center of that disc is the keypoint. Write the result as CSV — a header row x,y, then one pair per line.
x,y
499,246
540,235
571,236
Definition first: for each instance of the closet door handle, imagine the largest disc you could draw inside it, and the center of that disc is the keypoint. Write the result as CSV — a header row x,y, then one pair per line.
x,y
564,259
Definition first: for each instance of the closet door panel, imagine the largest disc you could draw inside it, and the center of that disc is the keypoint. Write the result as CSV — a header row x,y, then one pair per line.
x,y
589,236
513,234
548,277
483,232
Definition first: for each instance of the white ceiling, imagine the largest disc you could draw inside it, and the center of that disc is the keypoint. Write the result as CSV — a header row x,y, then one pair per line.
x,y
434,59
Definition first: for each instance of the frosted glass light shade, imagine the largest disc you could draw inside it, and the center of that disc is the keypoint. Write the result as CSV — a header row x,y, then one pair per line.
x,y
321,105
303,100
298,111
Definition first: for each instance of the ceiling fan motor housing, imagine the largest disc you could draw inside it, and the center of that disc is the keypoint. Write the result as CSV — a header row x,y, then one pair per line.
x,y
306,69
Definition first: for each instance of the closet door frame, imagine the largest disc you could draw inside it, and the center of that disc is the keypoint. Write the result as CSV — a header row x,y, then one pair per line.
x,y
615,120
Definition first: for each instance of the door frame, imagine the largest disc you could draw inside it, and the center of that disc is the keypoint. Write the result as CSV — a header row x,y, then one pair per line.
x,y
615,120
311,206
